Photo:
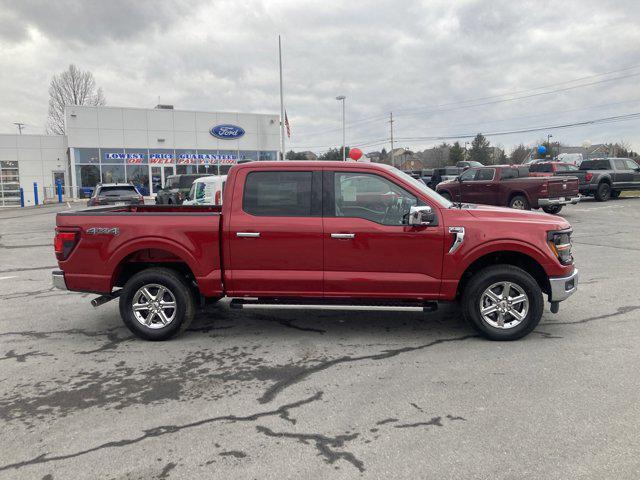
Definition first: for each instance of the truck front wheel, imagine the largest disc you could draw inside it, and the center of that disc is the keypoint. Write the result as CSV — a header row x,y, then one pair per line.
x,y
157,304
502,302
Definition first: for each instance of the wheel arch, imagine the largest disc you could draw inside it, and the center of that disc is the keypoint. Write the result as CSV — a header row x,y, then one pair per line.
x,y
519,259
146,253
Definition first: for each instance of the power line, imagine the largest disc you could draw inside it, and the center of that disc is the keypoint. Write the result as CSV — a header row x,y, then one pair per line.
x,y
461,103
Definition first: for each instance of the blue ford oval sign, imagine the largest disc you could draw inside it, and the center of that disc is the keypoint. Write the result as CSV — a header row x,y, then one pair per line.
x,y
227,132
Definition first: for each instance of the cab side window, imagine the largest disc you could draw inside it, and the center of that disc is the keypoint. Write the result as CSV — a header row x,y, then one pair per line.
x,y
468,175
371,197
281,194
508,173
631,165
485,174
620,164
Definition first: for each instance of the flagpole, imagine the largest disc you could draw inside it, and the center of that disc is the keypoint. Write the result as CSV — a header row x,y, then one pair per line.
x,y
281,102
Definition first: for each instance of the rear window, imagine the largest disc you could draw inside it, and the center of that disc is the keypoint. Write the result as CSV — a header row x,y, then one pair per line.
x,y
565,167
541,167
278,194
595,165
117,191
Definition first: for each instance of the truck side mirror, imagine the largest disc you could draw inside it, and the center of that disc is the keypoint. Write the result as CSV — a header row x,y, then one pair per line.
x,y
421,216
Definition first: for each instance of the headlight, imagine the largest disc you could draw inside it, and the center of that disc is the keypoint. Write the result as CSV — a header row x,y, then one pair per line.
x,y
560,243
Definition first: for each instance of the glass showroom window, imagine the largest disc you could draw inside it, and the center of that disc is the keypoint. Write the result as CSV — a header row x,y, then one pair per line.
x,y
87,176
186,162
139,176
268,155
113,174
86,155
248,155
112,155
210,164
9,184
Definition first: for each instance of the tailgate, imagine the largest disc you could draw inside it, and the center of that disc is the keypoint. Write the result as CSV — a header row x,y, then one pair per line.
x,y
562,186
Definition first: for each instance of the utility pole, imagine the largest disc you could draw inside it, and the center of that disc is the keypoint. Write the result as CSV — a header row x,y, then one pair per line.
x,y
393,163
281,101
20,126
341,98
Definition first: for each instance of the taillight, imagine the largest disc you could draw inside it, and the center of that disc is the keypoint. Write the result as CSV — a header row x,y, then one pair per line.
x,y
141,199
588,176
543,188
217,199
63,244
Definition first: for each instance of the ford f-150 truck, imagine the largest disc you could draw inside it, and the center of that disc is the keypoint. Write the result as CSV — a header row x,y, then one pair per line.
x,y
318,233
511,186
606,178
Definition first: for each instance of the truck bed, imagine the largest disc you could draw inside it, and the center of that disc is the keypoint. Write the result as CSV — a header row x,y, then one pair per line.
x,y
113,240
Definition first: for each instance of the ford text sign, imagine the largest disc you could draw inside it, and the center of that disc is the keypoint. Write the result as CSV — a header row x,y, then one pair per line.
x,y
227,132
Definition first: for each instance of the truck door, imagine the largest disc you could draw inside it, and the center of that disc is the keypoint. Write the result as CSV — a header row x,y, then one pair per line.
x,y
622,176
275,233
485,187
635,169
369,250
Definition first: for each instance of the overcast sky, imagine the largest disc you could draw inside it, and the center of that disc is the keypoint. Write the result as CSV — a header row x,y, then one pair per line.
x,y
444,68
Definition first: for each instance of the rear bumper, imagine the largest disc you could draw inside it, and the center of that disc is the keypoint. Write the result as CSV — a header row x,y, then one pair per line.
x,y
563,287
548,202
57,278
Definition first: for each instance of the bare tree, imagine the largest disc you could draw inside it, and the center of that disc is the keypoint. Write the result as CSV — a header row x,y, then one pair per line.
x,y
71,87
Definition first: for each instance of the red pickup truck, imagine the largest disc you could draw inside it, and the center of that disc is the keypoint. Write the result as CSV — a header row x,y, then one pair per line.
x,y
318,233
511,186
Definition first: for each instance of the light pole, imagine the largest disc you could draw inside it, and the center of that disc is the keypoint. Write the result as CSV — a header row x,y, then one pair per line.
x,y
549,145
341,98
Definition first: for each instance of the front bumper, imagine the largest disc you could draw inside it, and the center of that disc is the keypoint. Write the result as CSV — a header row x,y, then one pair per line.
x,y
57,277
563,287
548,202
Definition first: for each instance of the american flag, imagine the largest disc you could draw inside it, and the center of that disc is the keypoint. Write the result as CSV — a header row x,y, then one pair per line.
x,y
286,124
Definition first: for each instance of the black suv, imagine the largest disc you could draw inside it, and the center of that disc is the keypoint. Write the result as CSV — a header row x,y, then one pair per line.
x,y
115,194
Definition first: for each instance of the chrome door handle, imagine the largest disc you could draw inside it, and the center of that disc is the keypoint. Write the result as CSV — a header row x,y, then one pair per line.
x,y
248,234
343,235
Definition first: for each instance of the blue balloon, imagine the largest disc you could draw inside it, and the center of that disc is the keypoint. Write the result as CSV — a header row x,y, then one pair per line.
x,y
542,149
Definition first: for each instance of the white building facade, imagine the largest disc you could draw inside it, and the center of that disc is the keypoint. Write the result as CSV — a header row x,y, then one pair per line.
x,y
26,160
145,146
142,146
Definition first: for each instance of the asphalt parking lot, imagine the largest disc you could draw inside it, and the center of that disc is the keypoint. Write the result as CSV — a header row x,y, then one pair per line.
x,y
294,393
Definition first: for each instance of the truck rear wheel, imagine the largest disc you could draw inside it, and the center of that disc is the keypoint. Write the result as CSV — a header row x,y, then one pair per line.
x,y
552,209
519,202
502,302
603,193
157,304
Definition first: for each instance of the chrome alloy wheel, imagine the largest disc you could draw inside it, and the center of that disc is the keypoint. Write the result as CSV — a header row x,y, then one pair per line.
x,y
154,306
504,305
518,204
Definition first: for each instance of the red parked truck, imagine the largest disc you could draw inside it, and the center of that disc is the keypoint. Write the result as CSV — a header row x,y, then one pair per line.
x,y
318,233
511,186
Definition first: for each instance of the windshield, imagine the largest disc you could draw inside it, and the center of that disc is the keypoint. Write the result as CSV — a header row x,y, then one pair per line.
x,y
422,188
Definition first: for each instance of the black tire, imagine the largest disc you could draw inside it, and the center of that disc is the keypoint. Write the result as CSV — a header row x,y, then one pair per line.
x,y
445,195
481,281
177,287
552,209
603,193
615,193
519,202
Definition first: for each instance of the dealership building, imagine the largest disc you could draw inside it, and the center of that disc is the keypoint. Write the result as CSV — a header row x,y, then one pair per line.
x,y
142,146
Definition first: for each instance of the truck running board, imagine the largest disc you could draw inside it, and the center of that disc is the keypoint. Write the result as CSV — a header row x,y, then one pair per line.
x,y
239,303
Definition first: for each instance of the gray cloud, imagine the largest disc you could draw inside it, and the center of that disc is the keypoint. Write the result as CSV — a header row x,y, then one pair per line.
x,y
407,57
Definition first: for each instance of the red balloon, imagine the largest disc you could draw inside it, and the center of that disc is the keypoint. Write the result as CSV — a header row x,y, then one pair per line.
x,y
355,154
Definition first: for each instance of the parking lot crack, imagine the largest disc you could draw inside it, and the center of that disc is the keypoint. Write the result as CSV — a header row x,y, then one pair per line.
x,y
435,421
160,431
326,445
274,390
